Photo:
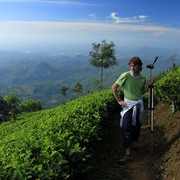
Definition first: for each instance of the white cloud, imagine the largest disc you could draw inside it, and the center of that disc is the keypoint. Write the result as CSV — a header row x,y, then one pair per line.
x,y
45,1
60,2
78,33
158,33
93,15
134,19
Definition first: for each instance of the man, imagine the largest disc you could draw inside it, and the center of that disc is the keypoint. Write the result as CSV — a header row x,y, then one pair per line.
x,y
133,84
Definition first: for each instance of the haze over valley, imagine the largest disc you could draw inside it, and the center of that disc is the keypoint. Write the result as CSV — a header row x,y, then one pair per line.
x,y
42,75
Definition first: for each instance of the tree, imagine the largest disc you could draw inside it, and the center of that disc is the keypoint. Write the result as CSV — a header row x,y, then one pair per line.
x,y
103,56
13,101
64,90
96,83
78,88
30,106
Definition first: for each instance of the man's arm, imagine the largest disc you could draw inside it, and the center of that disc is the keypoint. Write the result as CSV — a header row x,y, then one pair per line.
x,y
116,95
149,83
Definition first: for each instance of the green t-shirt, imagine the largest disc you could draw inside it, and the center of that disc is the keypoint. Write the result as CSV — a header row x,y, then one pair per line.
x,y
132,86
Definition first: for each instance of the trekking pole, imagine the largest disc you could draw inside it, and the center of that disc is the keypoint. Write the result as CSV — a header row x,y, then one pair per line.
x,y
151,106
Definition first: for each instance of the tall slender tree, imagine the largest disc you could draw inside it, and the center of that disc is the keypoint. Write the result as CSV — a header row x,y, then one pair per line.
x,y
64,90
78,88
103,56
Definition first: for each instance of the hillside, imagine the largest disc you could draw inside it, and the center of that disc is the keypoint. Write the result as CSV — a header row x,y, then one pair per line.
x,y
163,164
82,140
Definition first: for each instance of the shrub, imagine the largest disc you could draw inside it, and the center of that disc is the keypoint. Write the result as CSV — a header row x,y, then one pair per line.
x,y
167,87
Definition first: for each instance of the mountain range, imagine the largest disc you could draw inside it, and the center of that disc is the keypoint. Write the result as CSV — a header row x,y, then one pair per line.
x,y
41,76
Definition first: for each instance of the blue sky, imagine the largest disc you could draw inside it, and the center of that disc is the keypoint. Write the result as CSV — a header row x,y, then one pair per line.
x,y
76,24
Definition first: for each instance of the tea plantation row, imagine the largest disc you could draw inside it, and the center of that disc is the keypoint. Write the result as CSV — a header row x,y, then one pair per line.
x,y
54,143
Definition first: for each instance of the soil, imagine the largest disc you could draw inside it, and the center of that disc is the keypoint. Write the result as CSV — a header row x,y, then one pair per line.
x,y
157,154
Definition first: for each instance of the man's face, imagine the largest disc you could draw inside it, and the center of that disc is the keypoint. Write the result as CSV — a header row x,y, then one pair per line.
x,y
134,68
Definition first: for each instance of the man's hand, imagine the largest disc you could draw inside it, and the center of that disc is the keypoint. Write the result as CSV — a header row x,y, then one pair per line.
x,y
122,103
150,82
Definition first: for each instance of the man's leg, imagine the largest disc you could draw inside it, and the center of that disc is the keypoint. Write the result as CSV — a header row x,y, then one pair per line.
x,y
127,138
135,131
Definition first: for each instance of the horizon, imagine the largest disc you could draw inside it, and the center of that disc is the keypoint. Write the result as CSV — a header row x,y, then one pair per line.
x,y
166,57
72,26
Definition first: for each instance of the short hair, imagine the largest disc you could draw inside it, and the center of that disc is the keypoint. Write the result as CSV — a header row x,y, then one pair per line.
x,y
137,61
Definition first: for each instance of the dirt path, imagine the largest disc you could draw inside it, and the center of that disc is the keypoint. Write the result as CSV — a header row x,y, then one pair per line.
x,y
163,164
110,150
141,167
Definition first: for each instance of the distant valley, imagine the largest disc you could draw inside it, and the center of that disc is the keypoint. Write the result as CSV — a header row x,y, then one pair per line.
x,y
41,76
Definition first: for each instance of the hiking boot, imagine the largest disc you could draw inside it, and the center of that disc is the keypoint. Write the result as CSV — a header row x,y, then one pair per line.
x,y
125,159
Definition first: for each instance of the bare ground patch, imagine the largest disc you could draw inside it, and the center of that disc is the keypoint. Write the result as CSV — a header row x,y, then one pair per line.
x,y
163,164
